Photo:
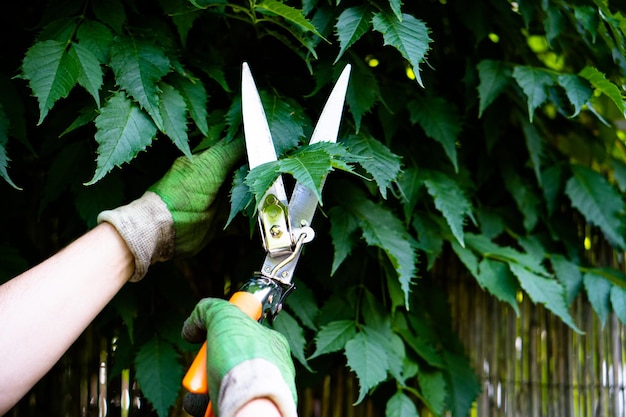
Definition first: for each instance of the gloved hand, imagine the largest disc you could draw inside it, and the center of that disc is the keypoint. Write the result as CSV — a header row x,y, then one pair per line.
x,y
173,217
245,360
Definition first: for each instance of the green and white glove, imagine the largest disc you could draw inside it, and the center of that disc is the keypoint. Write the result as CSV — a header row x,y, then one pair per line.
x,y
245,360
173,217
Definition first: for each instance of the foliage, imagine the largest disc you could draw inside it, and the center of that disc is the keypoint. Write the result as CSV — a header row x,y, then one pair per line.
x,y
490,129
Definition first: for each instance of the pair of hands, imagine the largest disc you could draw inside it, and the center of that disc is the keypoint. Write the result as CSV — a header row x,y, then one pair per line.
x,y
245,360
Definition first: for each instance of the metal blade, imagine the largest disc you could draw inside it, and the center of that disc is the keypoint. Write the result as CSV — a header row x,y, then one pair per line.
x,y
303,201
259,145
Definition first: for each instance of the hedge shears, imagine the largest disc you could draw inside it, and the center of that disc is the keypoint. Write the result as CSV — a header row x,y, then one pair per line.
x,y
285,225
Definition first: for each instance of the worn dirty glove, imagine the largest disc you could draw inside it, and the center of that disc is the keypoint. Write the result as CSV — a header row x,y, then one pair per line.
x,y
173,216
245,360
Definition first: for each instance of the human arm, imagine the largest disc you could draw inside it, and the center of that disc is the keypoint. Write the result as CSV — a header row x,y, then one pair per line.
x,y
45,309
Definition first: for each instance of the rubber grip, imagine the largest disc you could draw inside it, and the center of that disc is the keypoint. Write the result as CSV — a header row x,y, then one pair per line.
x,y
195,380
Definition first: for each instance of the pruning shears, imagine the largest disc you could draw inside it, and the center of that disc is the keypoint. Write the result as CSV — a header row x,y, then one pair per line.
x,y
285,225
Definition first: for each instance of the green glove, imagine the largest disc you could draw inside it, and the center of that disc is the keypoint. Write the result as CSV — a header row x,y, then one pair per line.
x,y
245,360
173,217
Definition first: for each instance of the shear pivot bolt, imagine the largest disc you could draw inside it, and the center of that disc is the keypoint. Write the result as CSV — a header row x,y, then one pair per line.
x,y
276,231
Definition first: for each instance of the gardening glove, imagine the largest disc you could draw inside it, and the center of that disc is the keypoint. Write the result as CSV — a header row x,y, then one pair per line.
x,y
245,360
173,216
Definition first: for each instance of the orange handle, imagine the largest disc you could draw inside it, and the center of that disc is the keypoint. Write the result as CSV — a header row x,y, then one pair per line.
x,y
195,381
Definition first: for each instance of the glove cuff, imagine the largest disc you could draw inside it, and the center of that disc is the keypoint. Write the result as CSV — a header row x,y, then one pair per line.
x,y
255,378
148,229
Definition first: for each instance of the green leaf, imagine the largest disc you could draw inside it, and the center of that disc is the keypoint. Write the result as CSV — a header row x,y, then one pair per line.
x,y
111,12
51,73
286,120
376,159
304,305
4,139
96,38
486,248
450,200
434,389
544,291
400,405
534,82
577,90
569,274
159,373
90,73
440,121
240,195
463,384
526,199
351,24
429,236
598,201
196,98
289,327
408,35
288,13
342,226
123,130
598,80
173,110
138,67
599,294
494,77
497,279
362,99
618,302
381,228
333,337
534,143
368,359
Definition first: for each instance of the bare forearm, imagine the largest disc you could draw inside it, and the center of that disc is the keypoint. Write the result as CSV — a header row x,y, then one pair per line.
x,y
45,309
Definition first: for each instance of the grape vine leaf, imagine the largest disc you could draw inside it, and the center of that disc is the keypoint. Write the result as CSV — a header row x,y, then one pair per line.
x,y
376,159
534,144
599,81
123,130
51,73
497,278
494,77
159,373
173,111
368,359
434,389
599,294
440,121
304,305
408,35
400,405
534,82
598,201
138,67
450,200
333,337
90,73
351,24
286,120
